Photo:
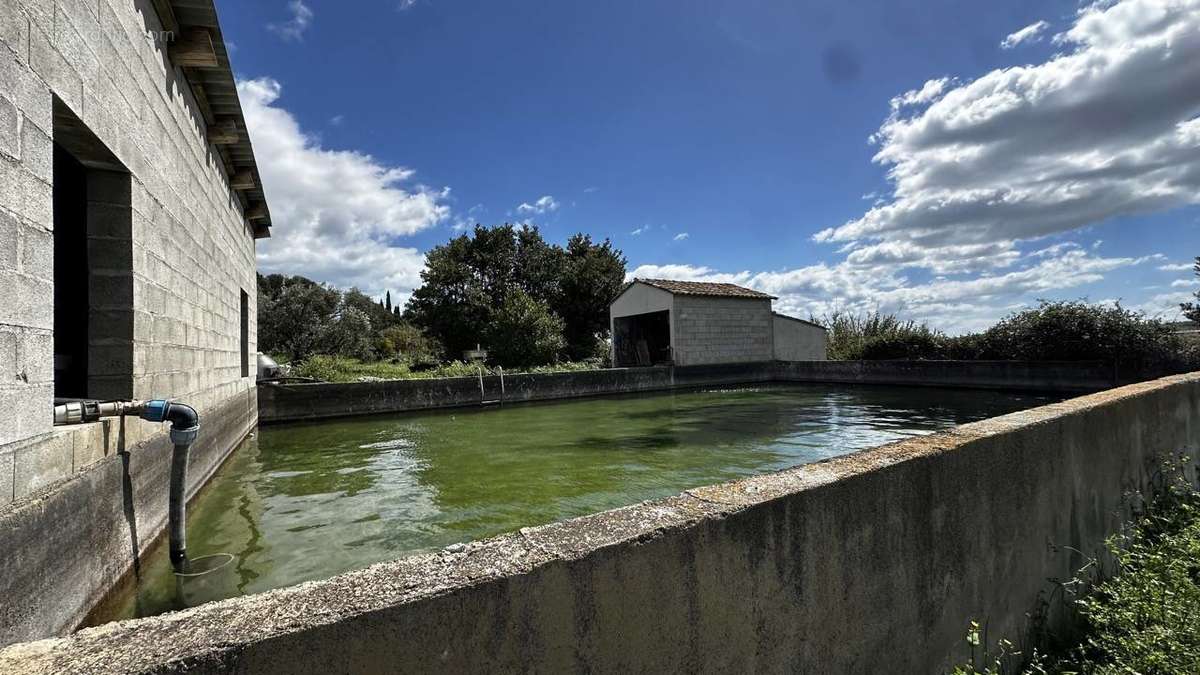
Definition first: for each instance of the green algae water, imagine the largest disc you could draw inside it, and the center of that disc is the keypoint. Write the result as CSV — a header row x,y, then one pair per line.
x,y
308,501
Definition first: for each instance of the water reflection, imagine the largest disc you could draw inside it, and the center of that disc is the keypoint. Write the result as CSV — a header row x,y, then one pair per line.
x,y
307,501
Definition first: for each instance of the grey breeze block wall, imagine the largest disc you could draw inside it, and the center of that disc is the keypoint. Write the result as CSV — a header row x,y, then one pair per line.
x,y
190,254
878,557
720,330
797,340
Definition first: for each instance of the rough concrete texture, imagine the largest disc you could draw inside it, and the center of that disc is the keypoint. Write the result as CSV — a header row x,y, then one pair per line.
x,y
709,330
882,554
291,402
67,543
170,254
796,340
170,276
1053,376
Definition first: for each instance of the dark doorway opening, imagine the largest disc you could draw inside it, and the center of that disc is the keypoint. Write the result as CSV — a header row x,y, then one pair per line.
x,y
642,339
70,276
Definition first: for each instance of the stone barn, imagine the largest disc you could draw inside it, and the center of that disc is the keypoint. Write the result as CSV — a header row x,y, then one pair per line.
x,y
687,323
129,209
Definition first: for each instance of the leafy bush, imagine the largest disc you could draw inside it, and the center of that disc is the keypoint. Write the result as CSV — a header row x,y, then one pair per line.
x,y
1146,618
880,336
1078,331
324,368
1052,331
1143,618
407,342
524,332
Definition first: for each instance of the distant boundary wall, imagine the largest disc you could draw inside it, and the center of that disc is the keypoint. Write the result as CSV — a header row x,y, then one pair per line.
x,y
877,557
295,402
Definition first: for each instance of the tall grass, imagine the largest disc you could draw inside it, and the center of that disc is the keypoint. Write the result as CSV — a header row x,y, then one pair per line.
x,y
346,369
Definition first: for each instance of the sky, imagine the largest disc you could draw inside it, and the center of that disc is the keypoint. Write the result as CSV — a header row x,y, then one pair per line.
x,y
948,161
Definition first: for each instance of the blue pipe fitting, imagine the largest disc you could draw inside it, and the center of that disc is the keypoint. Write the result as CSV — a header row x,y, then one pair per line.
x,y
156,410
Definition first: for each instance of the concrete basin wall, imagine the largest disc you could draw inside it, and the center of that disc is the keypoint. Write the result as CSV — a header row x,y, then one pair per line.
x,y
63,546
1047,376
880,557
294,402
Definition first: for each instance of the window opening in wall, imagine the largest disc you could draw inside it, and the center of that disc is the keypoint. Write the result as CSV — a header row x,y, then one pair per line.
x,y
245,335
93,265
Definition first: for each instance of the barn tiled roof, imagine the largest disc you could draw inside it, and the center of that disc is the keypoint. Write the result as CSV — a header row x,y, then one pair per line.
x,y
705,288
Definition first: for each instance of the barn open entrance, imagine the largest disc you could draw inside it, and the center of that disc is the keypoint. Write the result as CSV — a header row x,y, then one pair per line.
x,y
642,339
93,265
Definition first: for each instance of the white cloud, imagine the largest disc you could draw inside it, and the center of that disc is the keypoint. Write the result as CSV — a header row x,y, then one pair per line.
x,y
1183,283
1176,267
544,204
294,27
954,305
681,236
639,230
337,120
930,91
1163,306
335,213
980,169
1107,129
1031,33
686,273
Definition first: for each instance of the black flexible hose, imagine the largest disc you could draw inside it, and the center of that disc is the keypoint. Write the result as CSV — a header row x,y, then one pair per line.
x,y
185,424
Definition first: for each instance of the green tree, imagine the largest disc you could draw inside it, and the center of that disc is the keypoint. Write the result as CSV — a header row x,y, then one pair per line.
x,y
591,277
348,334
1191,310
387,301
379,316
524,332
292,314
467,281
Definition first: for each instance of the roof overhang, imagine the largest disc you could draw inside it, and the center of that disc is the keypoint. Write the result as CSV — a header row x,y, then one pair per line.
x,y
196,46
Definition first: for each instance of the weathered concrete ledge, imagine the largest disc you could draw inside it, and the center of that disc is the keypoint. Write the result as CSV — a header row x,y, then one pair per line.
x,y
294,402
1042,376
877,557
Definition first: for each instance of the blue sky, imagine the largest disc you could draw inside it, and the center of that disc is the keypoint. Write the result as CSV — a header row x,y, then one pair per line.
x,y
949,161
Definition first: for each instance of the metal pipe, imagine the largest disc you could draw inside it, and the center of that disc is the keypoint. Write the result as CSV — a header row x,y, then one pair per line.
x,y
185,426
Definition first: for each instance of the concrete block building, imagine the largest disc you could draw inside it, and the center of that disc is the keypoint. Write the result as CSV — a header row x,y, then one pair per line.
x,y
130,203
687,323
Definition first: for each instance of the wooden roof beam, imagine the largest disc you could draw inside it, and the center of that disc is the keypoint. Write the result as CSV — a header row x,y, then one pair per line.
x,y
243,180
224,132
193,48
257,211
